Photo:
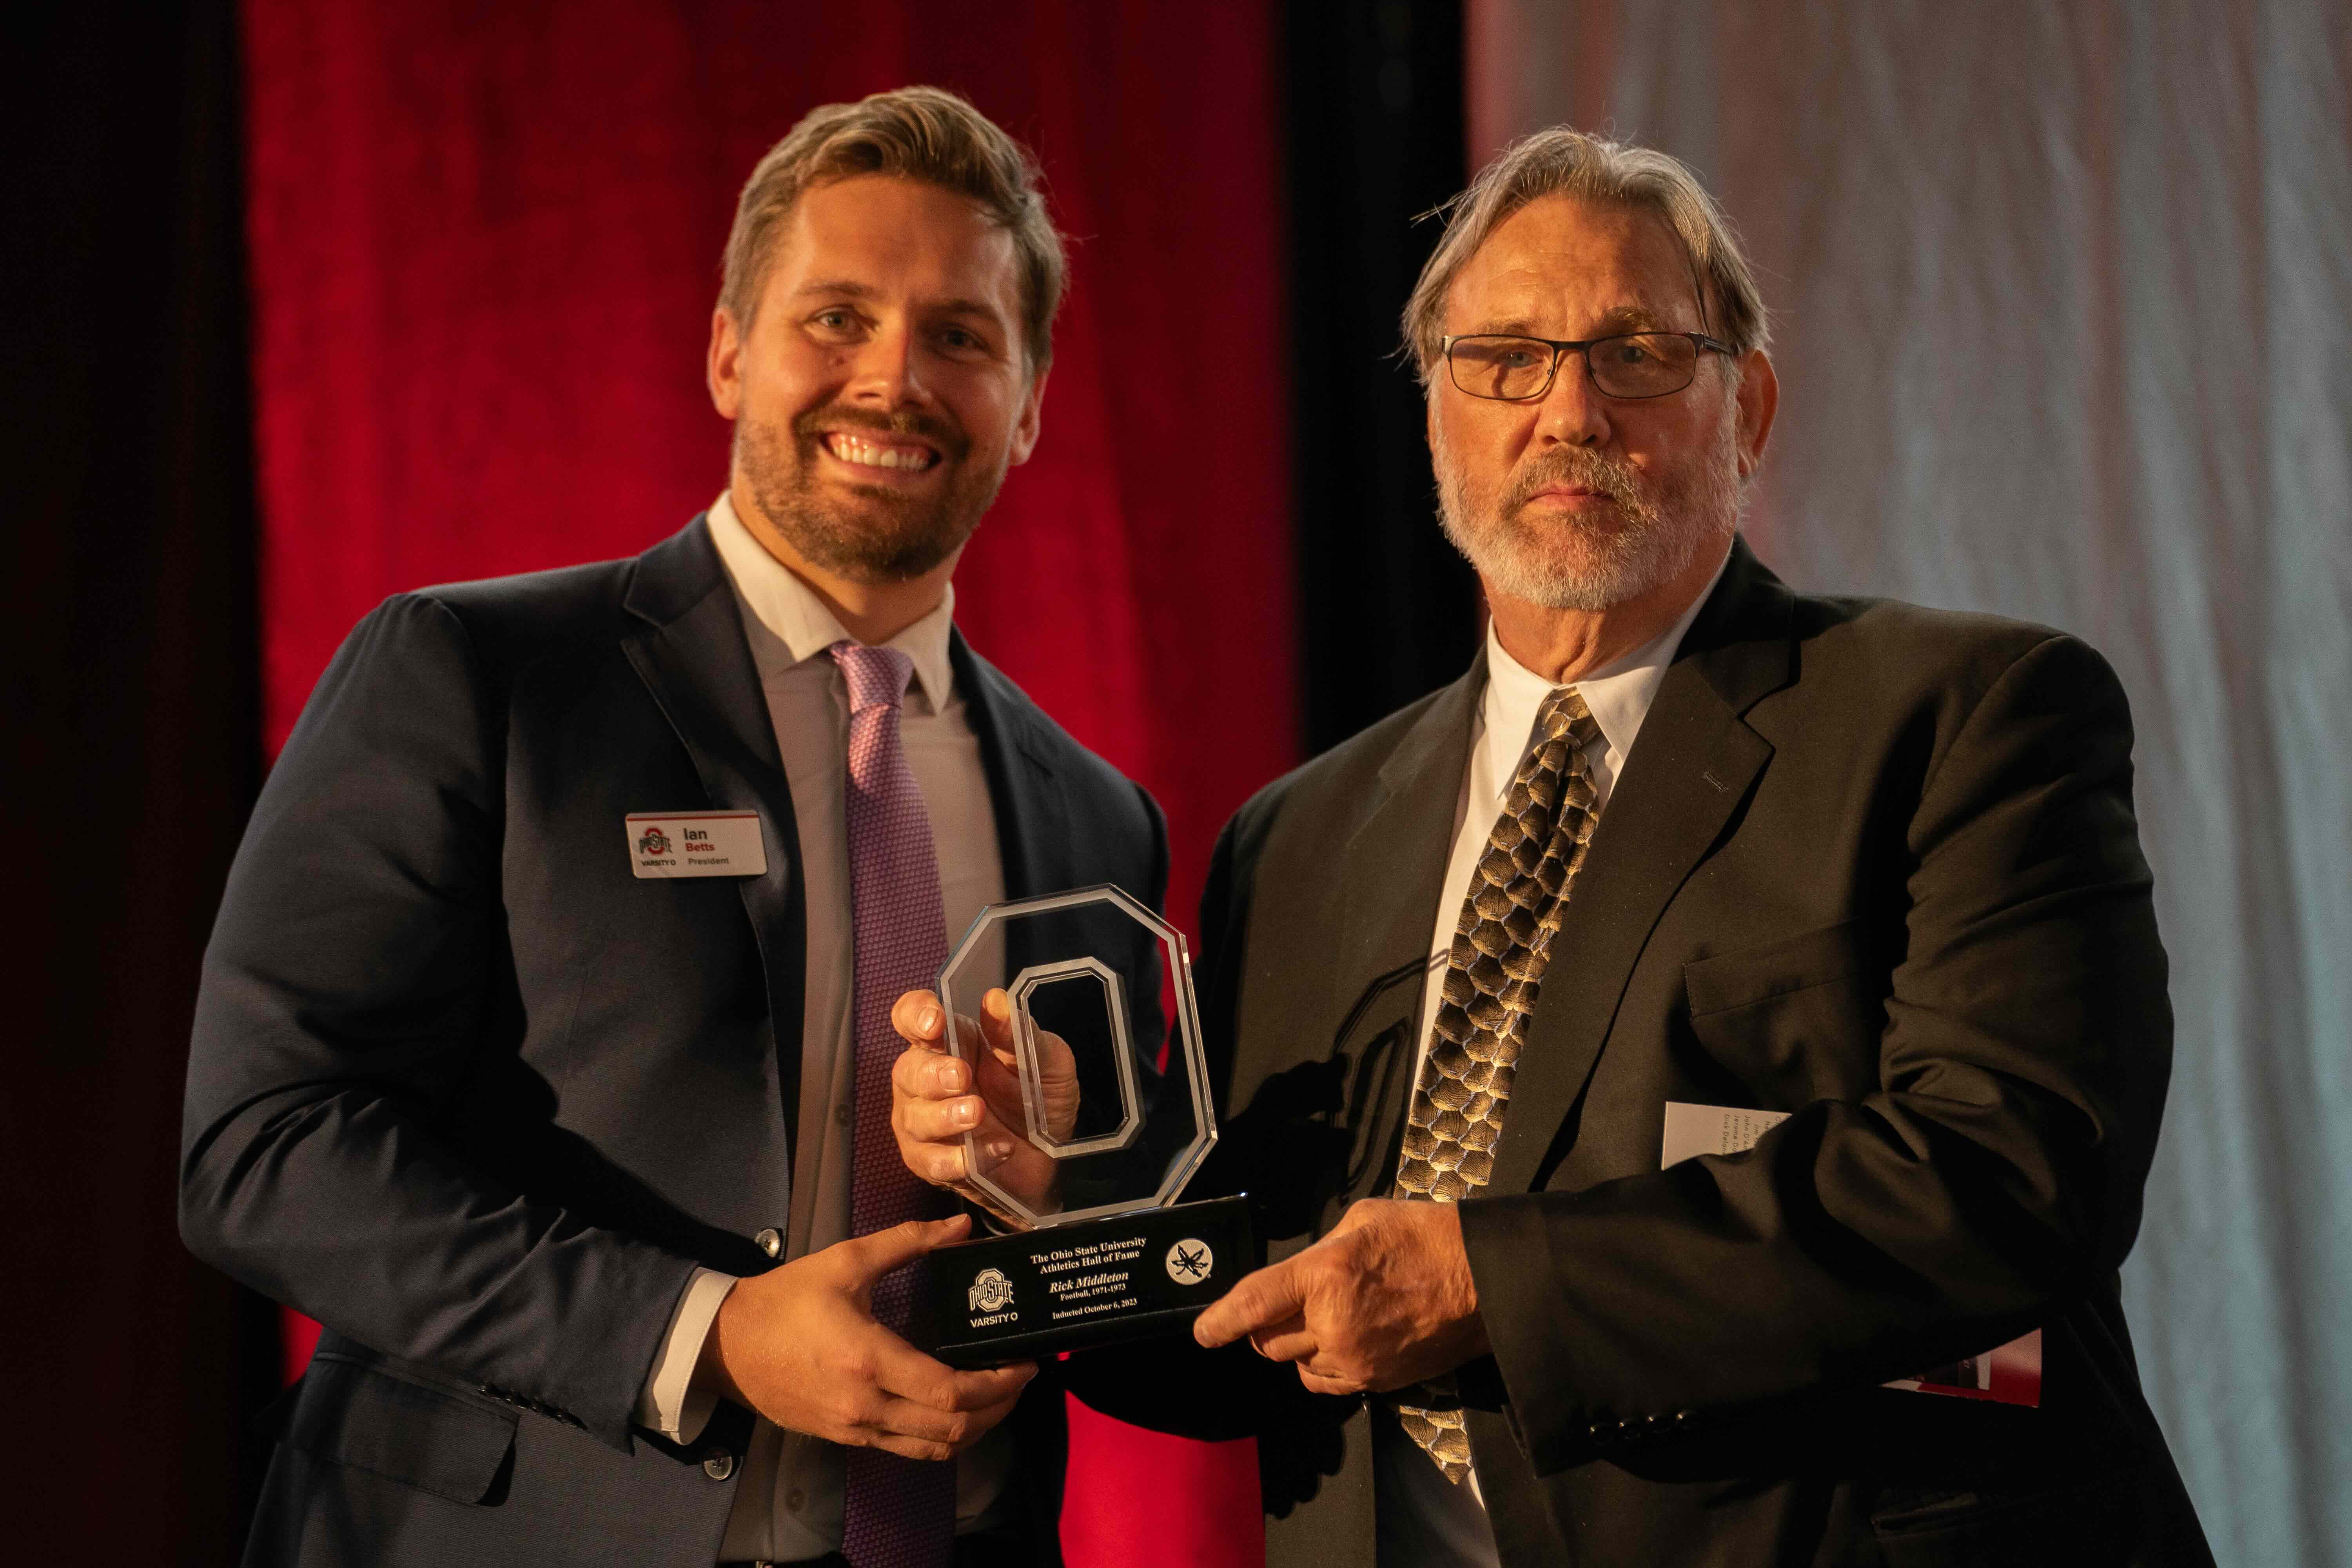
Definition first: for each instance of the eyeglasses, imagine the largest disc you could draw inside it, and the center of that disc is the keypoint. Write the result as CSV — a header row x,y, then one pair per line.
x,y
1511,369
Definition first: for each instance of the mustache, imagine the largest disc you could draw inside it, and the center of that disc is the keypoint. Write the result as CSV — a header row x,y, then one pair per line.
x,y
948,437
1581,466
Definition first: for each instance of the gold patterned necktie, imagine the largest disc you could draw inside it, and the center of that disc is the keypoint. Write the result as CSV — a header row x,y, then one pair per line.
x,y
1501,944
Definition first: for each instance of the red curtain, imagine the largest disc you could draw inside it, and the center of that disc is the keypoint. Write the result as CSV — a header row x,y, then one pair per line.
x,y
485,243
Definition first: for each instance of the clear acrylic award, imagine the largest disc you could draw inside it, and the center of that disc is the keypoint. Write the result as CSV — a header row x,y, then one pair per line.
x,y
1086,1169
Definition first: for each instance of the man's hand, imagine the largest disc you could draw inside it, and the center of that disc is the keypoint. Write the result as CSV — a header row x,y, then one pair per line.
x,y
1384,1301
934,1103
799,1345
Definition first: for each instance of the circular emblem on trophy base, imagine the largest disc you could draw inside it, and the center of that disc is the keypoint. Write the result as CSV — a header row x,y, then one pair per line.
x,y
1190,1260
991,1292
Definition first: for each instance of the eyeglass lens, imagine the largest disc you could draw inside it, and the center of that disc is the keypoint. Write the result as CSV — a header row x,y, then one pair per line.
x,y
1636,364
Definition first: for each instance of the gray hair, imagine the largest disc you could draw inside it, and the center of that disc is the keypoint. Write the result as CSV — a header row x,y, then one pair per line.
x,y
913,133
1565,162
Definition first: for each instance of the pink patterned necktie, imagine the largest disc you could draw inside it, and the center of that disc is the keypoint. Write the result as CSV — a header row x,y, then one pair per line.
x,y
898,1513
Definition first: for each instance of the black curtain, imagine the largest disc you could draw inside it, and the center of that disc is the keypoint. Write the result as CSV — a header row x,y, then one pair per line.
x,y
133,755
1375,123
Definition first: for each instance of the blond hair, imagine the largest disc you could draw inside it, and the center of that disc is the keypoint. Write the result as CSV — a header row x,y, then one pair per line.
x,y
912,134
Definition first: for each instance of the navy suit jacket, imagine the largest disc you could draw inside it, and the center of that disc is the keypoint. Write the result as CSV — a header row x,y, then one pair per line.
x,y
479,1101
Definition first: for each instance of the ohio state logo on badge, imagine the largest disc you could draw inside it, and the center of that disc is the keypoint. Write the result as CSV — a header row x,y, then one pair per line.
x,y
655,842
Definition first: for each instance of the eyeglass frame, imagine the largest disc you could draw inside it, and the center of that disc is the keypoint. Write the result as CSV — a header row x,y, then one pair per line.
x,y
1563,349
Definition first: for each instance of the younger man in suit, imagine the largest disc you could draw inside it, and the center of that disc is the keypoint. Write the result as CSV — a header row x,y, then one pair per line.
x,y
575,1139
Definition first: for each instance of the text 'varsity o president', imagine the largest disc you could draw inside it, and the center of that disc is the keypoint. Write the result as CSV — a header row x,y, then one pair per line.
x,y
543,1049
1683,847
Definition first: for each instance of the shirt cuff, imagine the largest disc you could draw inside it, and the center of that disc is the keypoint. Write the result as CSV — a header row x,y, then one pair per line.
x,y
669,1403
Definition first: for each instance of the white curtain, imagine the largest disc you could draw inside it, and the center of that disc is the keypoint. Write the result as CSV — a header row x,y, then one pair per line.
x,y
2063,295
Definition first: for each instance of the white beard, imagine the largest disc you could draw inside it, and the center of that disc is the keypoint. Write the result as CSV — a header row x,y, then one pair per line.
x,y
1573,565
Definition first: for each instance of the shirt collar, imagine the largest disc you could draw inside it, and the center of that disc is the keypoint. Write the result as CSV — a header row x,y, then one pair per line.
x,y
1619,694
791,609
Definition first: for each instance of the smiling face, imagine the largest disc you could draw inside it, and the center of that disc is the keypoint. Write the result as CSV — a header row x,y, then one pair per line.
x,y
1576,500
881,392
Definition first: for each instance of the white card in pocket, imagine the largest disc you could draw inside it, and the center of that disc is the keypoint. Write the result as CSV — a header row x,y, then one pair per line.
x,y
2007,1375
1694,1130
696,844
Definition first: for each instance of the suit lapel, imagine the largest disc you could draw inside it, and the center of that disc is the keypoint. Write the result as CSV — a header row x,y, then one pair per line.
x,y
1393,879
695,660
1688,773
1395,860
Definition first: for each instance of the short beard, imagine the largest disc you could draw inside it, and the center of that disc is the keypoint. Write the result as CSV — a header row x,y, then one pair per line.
x,y
1573,563
890,538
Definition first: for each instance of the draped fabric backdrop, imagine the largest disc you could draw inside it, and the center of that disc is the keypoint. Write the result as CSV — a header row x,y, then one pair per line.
x,y
2061,294
127,763
484,250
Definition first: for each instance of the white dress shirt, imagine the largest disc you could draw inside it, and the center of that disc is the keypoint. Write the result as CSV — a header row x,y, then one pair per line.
x,y
788,1504
1424,1518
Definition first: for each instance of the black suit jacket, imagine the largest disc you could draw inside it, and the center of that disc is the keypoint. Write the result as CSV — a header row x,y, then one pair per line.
x,y
469,1093
1871,865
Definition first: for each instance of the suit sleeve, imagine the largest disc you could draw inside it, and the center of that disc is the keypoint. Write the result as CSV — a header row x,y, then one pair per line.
x,y
358,962
1993,1175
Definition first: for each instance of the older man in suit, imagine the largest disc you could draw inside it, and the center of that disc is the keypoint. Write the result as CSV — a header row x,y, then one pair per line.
x,y
1680,837
543,1047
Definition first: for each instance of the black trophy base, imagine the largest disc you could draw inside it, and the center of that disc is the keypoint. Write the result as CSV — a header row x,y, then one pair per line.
x,y
1073,1287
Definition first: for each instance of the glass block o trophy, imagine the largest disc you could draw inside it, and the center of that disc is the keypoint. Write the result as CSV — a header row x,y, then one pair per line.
x,y
1098,1250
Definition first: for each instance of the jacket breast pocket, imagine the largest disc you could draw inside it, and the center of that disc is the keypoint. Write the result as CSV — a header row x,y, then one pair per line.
x,y
1796,1019
372,1418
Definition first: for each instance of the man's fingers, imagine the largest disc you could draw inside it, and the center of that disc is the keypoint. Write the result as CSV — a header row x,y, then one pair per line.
x,y
876,1254
926,1072
921,1073
938,1121
977,1391
905,1372
908,1419
932,1139
951,1165
919,1019
928,1068
1261,1300
1316,1384
941,1165
1285,1341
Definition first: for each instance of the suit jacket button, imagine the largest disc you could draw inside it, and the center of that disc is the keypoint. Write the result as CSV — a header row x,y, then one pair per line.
x,y
719,1464
770,1242
1685,1419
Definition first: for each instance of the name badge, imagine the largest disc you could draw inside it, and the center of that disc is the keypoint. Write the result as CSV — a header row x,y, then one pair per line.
x,y
696,844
